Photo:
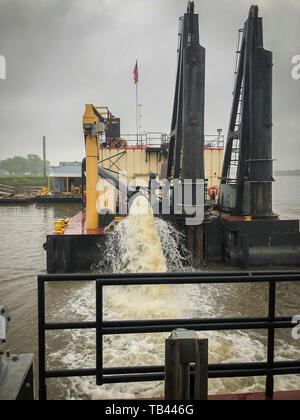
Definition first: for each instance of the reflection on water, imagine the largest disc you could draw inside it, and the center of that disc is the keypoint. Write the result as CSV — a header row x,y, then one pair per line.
x,y
23,232
22,257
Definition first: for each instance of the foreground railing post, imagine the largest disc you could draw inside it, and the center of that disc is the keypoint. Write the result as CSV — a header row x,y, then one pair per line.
x,y
42,340
181,350
201,370
271,340
99,333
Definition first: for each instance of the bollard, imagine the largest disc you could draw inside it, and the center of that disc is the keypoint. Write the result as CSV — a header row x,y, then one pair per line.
x,y
182,349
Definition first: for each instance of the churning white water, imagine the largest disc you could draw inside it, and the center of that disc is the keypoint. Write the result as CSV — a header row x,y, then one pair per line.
x,y
140,243
143,243
137,245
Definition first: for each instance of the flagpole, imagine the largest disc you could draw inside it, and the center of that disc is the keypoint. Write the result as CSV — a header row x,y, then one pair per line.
x,y
137,114
136,81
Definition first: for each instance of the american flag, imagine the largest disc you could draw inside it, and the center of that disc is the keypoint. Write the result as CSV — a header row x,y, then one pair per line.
x,y
136,73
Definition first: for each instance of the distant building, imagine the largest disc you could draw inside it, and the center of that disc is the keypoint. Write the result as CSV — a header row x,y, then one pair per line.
x,y
66,178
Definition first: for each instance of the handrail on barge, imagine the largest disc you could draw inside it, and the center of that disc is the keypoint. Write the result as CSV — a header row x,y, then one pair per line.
x,y
103,375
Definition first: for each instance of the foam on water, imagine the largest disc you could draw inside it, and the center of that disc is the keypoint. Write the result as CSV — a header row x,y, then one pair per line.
x,y
142,243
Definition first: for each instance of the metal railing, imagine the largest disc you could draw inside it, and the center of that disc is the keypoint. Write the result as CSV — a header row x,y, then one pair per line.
x,y
6,190
103,375
144,140
214,141
159,139
27,189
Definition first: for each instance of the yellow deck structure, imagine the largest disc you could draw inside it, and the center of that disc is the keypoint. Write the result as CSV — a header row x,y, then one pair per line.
x,y
131,160
139,162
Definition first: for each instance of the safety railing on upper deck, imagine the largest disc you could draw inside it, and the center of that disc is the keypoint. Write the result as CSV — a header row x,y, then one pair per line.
x,y
157,140
268,368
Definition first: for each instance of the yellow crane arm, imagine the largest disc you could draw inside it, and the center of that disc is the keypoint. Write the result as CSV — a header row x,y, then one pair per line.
x,y
93,125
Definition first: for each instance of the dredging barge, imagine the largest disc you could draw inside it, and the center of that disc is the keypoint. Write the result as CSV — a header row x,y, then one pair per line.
x,y
239,229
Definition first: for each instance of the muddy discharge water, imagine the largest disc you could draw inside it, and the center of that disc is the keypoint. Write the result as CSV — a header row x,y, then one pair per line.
x,y
142,243
22,258
136,245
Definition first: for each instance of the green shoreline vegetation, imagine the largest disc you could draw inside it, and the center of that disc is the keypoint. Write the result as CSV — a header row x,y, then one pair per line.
x,y
23,171
22,180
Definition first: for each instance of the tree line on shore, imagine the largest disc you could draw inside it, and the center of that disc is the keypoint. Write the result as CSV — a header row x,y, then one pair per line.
x,y
18,165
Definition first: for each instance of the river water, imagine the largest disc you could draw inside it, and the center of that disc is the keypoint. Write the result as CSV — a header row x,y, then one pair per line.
x,y
23,231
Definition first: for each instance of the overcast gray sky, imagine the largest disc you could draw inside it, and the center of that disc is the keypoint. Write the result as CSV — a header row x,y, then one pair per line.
x,y
62,54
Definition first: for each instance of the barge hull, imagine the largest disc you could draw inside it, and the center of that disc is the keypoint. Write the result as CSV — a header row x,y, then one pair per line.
x,y
252,243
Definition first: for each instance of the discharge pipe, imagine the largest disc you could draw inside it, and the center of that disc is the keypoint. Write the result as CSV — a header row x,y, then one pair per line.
x,y
121,186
